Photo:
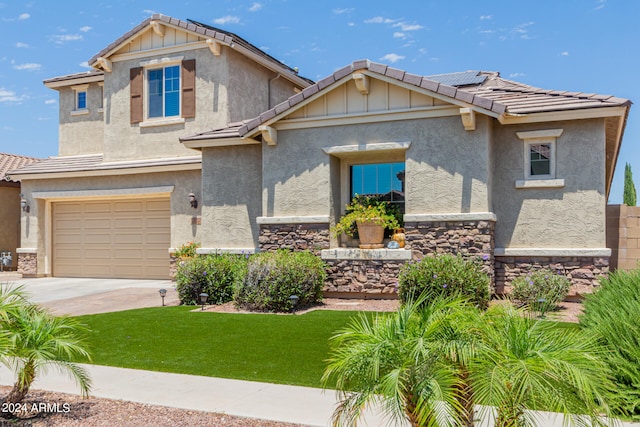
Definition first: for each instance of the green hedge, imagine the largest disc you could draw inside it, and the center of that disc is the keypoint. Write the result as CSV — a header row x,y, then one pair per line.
x,y
447,275
216,275
541,286
272,277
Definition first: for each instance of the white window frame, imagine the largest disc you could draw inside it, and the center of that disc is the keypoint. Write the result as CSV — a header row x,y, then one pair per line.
x,y
540,137
77,90
155,64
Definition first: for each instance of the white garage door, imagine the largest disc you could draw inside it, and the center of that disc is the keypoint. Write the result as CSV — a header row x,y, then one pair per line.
x,y
112,239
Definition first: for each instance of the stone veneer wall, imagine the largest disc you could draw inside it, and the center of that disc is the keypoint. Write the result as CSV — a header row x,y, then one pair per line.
x,y
467,238
28,264
583,272
297,237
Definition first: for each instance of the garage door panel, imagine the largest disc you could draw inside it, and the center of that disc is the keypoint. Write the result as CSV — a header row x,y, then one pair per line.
x,y
115,239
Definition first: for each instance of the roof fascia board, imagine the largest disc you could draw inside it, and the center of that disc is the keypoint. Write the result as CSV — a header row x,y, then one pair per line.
x,y
372,117
74,81
159,51
219,142
108,55
554,116
614,161
106,172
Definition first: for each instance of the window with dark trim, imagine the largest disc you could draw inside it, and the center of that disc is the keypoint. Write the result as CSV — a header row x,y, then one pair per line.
x,y
382,180
163,85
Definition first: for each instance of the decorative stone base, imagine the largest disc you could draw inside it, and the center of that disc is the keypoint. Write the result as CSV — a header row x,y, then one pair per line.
x,y
28,264
371,277
584,272
297,237
173,267
469,238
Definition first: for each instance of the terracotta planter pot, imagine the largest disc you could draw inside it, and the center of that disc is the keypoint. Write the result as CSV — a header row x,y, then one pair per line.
x,y
371,235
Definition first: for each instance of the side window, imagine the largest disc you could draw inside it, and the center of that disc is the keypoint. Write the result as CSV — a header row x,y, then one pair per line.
x,y
80,102
540,162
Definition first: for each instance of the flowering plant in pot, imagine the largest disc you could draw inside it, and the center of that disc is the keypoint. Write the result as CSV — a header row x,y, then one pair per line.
x,y
368,216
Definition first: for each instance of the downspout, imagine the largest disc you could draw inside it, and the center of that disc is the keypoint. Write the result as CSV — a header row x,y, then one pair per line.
x,y
269,89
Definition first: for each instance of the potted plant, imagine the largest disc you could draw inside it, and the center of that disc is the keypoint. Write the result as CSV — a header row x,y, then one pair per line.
x,y
368,217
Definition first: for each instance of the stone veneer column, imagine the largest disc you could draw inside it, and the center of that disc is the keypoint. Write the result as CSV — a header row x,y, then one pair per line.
x,y
467,234
27,262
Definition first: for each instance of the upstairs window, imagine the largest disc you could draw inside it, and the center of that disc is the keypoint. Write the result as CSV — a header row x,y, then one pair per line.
x,y
80,105
539,160
81,100
163,92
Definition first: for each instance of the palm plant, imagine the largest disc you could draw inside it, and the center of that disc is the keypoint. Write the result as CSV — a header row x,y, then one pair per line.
x,y
530,364
397,360
39,340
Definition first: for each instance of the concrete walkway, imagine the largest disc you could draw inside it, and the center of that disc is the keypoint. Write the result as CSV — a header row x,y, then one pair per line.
x,y
300,405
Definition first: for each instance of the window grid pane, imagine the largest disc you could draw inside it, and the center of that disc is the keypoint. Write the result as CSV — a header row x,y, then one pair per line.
x,y
82,100
155,90
172,91
383,180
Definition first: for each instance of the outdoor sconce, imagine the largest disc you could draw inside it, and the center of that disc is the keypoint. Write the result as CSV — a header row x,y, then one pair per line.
x,y
24,204
203,299
193,201
293,299
163,293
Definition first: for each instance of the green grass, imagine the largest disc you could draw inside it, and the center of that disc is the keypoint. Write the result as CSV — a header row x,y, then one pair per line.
x,y
273,348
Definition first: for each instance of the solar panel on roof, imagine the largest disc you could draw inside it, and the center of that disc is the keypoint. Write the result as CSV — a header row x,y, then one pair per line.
x,y
459,79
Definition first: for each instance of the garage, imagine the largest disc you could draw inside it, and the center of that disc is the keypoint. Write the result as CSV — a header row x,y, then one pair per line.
x,y
125,239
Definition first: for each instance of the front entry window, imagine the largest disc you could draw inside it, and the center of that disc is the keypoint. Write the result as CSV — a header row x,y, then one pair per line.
x,y
381,180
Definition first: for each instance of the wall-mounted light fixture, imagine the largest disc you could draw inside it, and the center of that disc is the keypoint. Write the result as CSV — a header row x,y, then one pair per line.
x,y
193,201
24,204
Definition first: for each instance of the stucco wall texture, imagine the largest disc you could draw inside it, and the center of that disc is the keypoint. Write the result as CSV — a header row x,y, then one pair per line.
x,y
10,213
84,133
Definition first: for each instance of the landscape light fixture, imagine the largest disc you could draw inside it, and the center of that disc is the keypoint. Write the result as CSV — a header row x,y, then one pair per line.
x,y
163,293
203,299
293,299
193,201
24,204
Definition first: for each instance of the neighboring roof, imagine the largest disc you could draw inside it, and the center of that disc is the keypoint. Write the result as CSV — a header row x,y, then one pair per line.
x,y
204,30
13,161
95,162
76,78
490,92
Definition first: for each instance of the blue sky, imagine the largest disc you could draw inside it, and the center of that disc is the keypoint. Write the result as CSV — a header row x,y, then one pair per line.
x,y
577,45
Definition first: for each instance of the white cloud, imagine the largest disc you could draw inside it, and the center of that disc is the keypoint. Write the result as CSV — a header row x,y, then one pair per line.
x,y
512,75
86,28
345,10
84,64
229,19
50,101
255,7
22,45
10,96
379,20
24,16
565,53
407,27
601,4
434,59
399,35
486,31
351,24
63,38
392,57
149,12
486,17
28,67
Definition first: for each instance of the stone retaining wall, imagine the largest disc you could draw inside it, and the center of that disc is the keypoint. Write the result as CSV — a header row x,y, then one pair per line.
x,y
370,277
584,272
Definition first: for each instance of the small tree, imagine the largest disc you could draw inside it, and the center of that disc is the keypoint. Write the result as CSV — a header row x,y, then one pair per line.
x,y
629,195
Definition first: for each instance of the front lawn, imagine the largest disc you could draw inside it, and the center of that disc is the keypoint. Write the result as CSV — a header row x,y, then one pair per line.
x,y
273,348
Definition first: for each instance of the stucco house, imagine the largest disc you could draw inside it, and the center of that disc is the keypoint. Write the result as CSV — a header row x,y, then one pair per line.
x,y
10,209
117,196
514,175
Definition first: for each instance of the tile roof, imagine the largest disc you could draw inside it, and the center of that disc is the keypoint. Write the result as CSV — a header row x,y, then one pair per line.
x,y
204,30
13,161
489,92
95,162
75,76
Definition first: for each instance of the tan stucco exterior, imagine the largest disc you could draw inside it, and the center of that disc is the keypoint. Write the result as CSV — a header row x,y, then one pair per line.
x,y
81,132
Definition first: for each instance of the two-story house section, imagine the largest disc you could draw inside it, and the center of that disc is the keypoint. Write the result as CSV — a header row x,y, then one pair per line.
x,y
123,190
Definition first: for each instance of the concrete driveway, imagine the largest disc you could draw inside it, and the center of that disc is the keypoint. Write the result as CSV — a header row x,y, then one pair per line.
x,y
78,296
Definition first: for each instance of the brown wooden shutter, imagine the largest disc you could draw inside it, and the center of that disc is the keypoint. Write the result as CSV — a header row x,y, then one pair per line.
x,y
189,88
135,88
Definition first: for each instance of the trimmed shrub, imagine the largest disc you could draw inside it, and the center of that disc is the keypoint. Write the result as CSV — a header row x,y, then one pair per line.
x,y
272,277
215,275
446,275
540,286
611,314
